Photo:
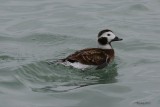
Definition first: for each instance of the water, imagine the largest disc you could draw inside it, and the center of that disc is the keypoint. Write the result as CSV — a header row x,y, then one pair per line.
x,y
35,32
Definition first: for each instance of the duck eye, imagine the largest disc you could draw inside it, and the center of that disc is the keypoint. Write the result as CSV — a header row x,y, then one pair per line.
x,y
108,34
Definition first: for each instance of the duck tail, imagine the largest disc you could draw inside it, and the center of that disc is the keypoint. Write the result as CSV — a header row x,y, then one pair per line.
x,y
59,61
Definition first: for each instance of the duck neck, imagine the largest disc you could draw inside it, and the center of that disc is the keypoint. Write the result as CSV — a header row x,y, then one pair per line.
x,y
106,46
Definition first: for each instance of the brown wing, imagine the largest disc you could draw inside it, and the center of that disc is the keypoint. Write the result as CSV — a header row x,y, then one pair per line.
x,y
91,56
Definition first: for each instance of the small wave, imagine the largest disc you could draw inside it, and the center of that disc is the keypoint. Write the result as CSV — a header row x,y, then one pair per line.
x,y
44,77
6,57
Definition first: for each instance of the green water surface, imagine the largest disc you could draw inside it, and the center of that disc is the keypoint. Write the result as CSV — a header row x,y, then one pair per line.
x,y
35,32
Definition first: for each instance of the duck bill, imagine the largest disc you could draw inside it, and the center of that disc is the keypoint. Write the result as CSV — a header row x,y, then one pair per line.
x,y
117,39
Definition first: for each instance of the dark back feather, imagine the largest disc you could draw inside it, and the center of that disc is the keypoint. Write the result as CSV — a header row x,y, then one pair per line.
x,y
92,56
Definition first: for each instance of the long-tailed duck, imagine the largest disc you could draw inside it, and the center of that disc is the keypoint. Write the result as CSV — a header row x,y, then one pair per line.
x,y
89,57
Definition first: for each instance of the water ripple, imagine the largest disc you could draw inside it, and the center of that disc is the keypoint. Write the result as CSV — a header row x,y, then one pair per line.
x,y
41,77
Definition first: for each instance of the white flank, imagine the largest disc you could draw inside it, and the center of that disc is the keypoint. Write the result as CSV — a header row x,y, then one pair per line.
x,y
76,65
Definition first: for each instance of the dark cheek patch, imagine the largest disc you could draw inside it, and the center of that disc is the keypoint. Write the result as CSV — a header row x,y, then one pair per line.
x,y
103,40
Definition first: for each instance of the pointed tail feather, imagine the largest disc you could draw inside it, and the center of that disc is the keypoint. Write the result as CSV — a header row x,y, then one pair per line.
x,y
59,61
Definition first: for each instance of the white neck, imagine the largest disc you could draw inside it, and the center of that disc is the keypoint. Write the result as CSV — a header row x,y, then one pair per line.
x,y
107,46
